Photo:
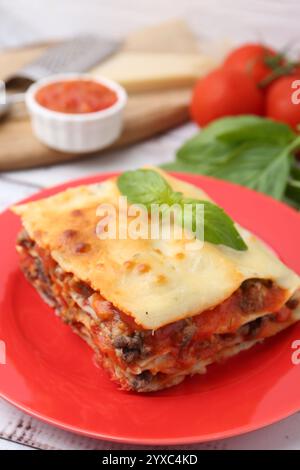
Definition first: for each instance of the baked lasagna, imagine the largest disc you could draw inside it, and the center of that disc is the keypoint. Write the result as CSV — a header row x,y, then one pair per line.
x,y
154,311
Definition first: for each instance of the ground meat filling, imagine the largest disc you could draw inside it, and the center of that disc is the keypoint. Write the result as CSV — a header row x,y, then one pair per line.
x,y
292,303
254,292
142,380
35,271
251,329
131,347
127,349
83,289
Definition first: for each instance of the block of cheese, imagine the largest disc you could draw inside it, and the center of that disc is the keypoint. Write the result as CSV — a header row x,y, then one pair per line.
x,y
139,72
173,36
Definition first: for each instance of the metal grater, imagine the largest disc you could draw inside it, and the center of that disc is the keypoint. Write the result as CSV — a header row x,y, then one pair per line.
x,y
73,55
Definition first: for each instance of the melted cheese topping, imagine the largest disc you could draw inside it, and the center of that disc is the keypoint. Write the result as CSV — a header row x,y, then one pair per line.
x,y
155,281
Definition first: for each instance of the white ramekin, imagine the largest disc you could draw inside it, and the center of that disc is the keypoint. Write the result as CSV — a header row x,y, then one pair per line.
x,y
76,133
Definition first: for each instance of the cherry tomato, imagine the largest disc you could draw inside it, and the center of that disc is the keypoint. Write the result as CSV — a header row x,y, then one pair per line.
x,y
225,92
283,100
250,58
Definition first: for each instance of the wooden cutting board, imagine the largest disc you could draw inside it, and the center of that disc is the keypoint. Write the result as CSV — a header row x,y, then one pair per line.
x,y
146,114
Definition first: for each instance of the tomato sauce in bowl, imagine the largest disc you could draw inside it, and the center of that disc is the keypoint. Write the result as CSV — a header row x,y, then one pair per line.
x,y
76,113
76,96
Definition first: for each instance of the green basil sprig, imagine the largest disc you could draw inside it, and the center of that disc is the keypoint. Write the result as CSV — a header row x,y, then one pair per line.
x,y
248,150
148,187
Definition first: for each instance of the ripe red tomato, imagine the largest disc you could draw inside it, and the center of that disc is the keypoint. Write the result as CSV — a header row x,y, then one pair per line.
x,y
225,92
250,58
283,101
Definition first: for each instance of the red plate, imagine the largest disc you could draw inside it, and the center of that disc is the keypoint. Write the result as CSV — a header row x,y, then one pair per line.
x,y
50,371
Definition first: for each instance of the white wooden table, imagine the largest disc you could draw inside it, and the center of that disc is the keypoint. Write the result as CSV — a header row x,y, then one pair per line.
x,y
273,20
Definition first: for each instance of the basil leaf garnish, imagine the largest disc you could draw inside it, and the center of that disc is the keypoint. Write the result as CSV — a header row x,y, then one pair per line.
x,y
148,187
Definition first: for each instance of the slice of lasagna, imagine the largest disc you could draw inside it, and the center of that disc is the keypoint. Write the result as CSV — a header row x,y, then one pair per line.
x,y
154,311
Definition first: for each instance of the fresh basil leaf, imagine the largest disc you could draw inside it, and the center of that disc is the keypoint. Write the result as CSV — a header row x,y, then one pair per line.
x,y
247,150
264,168
219,228
260,130
222,126
146,187
293,191
295,172
236,129
208,156
291,202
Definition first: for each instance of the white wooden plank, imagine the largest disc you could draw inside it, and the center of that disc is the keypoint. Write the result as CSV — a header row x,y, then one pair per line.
x,y
11,192
21,428
9,445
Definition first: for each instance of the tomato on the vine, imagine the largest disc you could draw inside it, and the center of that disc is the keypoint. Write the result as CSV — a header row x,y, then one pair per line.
x,y
283,100
254,60
225,92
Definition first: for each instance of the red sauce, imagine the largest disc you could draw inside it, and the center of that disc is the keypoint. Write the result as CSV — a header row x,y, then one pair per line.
x,y
228,316
76,96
